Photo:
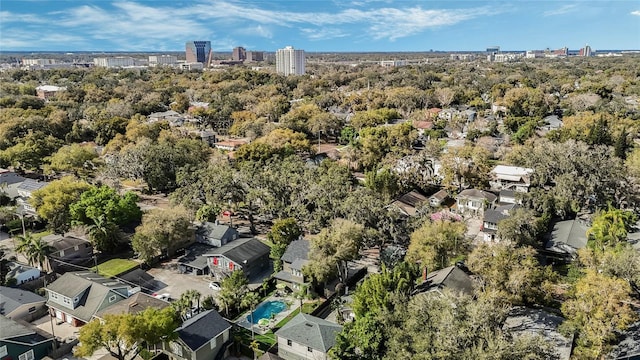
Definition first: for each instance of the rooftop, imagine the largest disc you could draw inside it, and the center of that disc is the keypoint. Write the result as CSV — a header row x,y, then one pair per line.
x,y
241,250
203,327
310,331
13,298
137,303
525,321
452,278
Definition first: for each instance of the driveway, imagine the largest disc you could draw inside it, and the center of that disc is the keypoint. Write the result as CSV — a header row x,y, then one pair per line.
x,y
172,282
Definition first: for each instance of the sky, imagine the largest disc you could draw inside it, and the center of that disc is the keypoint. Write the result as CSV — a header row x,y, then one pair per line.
x,y
318,26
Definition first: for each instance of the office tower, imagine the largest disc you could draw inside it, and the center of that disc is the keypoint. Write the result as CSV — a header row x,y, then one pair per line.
x,y
290,61
254,56
585,51
111,62
239,54
199,51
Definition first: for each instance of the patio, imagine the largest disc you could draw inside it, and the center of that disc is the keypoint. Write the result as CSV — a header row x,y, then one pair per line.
x,y
244,319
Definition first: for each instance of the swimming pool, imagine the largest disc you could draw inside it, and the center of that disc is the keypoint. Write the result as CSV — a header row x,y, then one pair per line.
x,y
265,310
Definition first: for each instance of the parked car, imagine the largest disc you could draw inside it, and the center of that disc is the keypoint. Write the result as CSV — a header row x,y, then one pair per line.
x,y
214,285
164,296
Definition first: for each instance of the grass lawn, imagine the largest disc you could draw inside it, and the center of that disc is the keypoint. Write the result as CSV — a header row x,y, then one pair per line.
x,y
115,267
40,235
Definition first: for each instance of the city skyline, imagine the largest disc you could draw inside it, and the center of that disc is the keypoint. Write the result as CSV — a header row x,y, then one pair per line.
x,y
317,26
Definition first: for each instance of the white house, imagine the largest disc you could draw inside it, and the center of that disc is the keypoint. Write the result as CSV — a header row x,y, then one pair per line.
x,y
509,177
306,337
21,272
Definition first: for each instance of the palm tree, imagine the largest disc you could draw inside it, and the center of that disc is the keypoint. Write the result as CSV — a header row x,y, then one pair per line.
x,y
35,250
250,300
301,294
190,296
104,234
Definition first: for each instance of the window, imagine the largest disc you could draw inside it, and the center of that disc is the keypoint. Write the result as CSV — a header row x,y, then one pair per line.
x,y
309,349
27,356
289,343
176,348
32,309
53,296
3,351
61,253
112,298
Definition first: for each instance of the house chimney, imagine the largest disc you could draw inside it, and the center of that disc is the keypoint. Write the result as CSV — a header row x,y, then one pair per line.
x,y
424,274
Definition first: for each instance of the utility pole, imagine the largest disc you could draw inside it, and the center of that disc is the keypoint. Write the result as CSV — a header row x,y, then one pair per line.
x,y
51,317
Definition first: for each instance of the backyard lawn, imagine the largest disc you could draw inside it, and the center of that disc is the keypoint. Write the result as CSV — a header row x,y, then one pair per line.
x,y
115,267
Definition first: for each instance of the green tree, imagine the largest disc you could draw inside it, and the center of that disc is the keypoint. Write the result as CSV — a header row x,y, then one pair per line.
x,y
34,249
522,227
29,152
282,233
162,231
438,244
104,235
249,301
80,160
124,336
232,290
610,227
512,274
52,202
105,201
598,305
332,248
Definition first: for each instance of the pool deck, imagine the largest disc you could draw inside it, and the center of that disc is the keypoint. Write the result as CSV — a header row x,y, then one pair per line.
x,y
245,323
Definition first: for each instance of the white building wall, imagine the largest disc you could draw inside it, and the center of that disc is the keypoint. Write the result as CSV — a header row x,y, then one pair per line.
x,y
298,351
290,61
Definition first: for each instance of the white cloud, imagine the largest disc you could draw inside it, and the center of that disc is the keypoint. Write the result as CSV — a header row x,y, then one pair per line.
x,y
138,25
636,13
561,10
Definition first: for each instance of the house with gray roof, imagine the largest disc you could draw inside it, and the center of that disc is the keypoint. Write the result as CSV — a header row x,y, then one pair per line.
x,y
451,278
76,297
473,202
438,198
135,304
22,342
249,255
491,219
523,321
194,262
20,304
510,177
306,337
67,249
9,182
215,234
204,336
21,272
628,346
295,257
567,237
25,189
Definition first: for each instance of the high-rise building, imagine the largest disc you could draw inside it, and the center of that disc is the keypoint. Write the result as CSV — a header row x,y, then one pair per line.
x,y
585,51
290,61
117,61
239,54
254,56
199,51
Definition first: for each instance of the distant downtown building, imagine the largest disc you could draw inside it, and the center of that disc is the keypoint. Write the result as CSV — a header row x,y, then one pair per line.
x,y
163,60
117,61
199,51
239,54
290,61
585,51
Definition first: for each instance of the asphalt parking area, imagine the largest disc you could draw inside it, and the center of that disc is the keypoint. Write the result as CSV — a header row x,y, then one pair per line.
x,y
170,281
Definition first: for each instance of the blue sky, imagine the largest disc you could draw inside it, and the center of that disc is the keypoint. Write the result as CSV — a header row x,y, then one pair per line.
x,y
329,25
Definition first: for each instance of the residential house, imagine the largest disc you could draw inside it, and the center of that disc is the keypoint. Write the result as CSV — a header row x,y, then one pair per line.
x,y
295,257
508,197
230,145
410,203
201,337
551,122
45,92
67,249
21,272
215,234
491,219
172,117
248,255
9,182
566,238
452,278
20,342
523,321
135,304
20,304
25,189
438,198
509,177
306,337
473,202
76,297
194,261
